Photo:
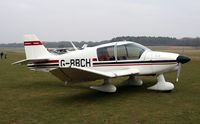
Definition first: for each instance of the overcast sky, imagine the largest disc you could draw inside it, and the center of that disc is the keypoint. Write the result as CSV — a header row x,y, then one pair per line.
x,y
96,20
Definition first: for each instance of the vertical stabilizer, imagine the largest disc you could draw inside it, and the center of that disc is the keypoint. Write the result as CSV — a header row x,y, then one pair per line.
x,y
34,48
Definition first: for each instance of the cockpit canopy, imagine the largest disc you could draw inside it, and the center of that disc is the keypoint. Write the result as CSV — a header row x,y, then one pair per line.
x,y
128,51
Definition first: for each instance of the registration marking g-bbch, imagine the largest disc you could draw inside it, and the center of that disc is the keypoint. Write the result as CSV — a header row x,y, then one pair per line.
x,y
75,62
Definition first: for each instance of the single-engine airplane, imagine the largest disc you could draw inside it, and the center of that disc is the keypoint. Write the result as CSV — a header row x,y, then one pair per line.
x,y
105,61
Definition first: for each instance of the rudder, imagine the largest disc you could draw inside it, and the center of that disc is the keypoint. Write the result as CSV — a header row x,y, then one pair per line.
x,y
34,48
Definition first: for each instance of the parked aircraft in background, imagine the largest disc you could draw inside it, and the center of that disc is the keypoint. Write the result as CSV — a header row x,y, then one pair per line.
x,y
105,61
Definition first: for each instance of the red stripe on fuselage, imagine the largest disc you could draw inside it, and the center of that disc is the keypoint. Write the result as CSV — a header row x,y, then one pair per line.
x,y
32,43
53,61
47,62
94,59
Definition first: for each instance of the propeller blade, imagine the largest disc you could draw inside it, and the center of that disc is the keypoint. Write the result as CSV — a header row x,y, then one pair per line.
x,y
178,72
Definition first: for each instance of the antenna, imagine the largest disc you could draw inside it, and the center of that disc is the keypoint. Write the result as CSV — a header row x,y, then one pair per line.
x,y
75,48
84,46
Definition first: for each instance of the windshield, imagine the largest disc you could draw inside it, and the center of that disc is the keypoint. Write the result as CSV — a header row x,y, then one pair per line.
x,y
129,51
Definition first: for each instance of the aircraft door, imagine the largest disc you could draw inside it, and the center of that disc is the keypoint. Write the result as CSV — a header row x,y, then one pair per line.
x,y
106,54
148,58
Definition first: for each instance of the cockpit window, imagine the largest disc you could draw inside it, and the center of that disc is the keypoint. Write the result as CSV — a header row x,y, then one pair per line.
x,y
106,54
129,52
122,52
134,52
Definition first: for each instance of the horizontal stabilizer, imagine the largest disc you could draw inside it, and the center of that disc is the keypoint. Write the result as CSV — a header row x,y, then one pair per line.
x,y
28,61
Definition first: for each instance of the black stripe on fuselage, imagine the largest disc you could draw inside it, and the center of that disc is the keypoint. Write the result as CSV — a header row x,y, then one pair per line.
x,y
110,63
136,62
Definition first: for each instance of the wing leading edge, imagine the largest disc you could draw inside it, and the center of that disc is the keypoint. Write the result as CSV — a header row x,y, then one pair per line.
x,y
78,74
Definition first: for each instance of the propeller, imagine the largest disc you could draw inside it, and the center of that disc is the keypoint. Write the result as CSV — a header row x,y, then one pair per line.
x,y
178,71
181,60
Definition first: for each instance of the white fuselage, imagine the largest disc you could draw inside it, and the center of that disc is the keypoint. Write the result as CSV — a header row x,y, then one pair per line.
x,y
149,63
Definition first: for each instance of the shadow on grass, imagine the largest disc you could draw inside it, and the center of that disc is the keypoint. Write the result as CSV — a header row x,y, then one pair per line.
x,y
93,96
77,93
38,85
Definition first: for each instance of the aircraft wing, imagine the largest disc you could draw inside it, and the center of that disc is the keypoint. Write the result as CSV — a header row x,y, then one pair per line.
x,y
86,74
27,61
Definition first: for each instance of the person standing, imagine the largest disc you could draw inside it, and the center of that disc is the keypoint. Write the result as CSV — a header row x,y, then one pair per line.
x,y
1,54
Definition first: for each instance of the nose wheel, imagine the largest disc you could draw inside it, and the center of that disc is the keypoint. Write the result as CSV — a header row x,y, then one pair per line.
x,y
162,85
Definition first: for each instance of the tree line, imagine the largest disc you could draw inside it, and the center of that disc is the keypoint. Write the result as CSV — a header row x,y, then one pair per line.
x,y
147,41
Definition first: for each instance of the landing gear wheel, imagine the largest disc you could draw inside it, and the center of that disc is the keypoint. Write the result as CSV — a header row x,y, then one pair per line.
x,y
105,87
133,81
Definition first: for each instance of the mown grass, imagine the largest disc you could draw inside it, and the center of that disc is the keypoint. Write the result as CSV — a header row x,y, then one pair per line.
x,y
35,97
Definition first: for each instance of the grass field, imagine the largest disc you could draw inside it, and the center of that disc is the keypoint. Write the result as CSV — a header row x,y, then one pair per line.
x,y
35,97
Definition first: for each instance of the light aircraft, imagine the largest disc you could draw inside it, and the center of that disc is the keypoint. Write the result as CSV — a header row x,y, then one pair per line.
x,y
105,61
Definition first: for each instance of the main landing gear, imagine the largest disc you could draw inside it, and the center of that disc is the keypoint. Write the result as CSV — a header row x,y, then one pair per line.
x,y
133,81
161,84
107,86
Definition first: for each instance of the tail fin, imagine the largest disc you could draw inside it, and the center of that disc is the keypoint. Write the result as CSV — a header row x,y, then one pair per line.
x,y
34,47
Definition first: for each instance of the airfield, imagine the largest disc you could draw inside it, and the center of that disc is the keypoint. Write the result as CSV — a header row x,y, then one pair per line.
x,y
35,97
